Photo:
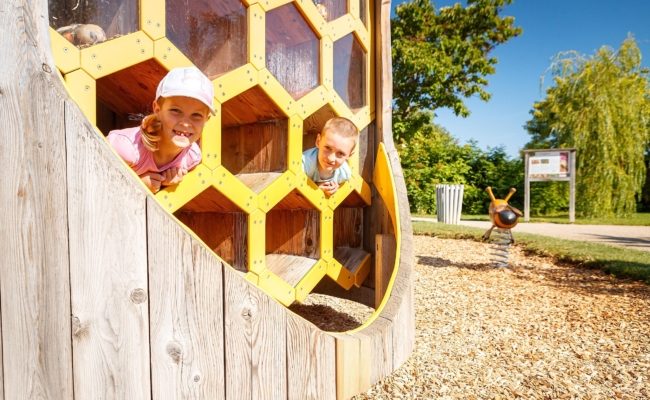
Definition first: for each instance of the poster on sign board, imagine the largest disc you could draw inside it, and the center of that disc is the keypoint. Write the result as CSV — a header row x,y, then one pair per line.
x,y
548,165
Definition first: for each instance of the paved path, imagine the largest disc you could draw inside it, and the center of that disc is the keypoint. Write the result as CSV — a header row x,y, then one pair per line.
x,y
633,237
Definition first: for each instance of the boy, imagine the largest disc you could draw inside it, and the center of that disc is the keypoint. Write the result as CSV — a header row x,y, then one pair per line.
x,y
326,164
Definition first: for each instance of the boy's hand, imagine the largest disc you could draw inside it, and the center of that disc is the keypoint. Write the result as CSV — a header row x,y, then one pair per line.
x,y
329,187
173,176
152,180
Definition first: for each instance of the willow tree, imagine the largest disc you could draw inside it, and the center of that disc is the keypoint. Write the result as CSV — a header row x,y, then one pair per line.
x,y
601,106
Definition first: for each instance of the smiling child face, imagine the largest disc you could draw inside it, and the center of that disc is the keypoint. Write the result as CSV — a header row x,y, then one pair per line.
x,y
333,150
183,119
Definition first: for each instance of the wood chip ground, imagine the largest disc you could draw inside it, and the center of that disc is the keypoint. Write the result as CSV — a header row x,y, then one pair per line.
x,y
534,330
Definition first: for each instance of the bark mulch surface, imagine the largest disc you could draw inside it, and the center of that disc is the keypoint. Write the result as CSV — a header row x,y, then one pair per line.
x,y
534,330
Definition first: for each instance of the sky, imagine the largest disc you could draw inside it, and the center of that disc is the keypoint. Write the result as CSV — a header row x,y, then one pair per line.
x,y
549,27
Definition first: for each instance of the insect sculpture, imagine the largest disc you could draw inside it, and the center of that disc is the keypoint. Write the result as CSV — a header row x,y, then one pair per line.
x,y
504,217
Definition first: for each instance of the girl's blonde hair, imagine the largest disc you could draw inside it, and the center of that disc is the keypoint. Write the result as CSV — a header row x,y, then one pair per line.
x,y
151,127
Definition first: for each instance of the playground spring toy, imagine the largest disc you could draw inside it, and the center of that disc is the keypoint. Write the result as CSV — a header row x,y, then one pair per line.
x,y
504,217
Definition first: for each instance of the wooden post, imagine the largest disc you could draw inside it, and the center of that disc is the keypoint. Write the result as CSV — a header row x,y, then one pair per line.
x,y
384,264
526,189
572,186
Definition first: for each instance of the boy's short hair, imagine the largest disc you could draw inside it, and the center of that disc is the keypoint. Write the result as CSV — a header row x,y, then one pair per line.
x,y
341,126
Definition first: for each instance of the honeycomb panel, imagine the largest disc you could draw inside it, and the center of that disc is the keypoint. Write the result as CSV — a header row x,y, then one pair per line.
x,y
86,23
350,71
249,199
212,34
292,50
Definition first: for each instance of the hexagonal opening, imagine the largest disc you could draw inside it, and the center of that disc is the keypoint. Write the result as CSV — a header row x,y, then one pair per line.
x,y
331,9
254,138
292,50
220,224
210,33
89,22
125,97
350,71
292,238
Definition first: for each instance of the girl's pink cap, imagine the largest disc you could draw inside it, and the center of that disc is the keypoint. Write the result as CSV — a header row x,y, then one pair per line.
x,y
188,82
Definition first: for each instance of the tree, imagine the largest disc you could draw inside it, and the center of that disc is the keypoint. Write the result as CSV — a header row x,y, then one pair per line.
x,y
441,58
601,106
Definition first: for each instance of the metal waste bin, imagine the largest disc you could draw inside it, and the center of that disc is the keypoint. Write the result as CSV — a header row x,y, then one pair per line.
x,y
449,199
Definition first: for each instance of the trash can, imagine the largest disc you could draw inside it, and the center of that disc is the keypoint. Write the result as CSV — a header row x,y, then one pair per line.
x,y
449,205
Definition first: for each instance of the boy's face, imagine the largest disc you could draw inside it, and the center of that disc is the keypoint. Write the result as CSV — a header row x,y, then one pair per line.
x,y
333,150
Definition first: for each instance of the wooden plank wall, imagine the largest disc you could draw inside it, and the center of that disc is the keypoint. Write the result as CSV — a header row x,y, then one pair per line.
x,y
34,294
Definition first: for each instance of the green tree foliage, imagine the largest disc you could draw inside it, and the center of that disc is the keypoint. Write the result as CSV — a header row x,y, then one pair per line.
x,y
433,156
441,58
601,106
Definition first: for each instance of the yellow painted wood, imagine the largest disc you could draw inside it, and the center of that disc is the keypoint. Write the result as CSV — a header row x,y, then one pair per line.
x,y
337,198
275,90
196,181
312,102
67,56
249,2
340,107
252,278
341,27
313,17
256,242
327,234
353,8
311,192
362,272
168,55
294,156
309,282
256,36
276,191
269,5
211,140
235,82
327,63
152,18
234,189
362,35
83,90
277,288
114,55
361,117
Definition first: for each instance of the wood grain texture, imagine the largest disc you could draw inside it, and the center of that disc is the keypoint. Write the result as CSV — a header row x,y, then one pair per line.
x,y
108,269
385,248
255,147
294,232
377,348
348,227
289,267
311,361
225,233
34,287
186,302
255,342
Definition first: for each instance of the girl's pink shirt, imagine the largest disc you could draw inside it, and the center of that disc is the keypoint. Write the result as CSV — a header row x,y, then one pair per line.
x,y
128,144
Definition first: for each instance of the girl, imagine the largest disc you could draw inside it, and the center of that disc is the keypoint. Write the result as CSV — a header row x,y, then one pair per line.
x,y
164,148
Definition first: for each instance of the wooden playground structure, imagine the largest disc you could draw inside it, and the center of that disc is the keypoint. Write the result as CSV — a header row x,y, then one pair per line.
x,y
108,291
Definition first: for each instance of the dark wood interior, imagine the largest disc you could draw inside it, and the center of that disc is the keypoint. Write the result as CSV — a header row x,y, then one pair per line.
x,y
125,97
295,232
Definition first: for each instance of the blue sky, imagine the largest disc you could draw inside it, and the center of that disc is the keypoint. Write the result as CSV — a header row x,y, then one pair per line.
x,y
549,27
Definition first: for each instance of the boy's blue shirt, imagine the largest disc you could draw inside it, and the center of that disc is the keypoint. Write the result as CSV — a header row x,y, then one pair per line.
x,y
310,166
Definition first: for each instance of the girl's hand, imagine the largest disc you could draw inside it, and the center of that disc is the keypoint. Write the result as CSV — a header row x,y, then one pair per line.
x,y
173,176
329,187
152,180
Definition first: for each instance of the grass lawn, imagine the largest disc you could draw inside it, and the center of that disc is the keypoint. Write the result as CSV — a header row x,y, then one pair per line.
x,y
641,219
623,263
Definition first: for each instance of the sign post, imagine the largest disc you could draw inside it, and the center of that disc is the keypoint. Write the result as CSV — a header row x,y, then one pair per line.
x,y
550,165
